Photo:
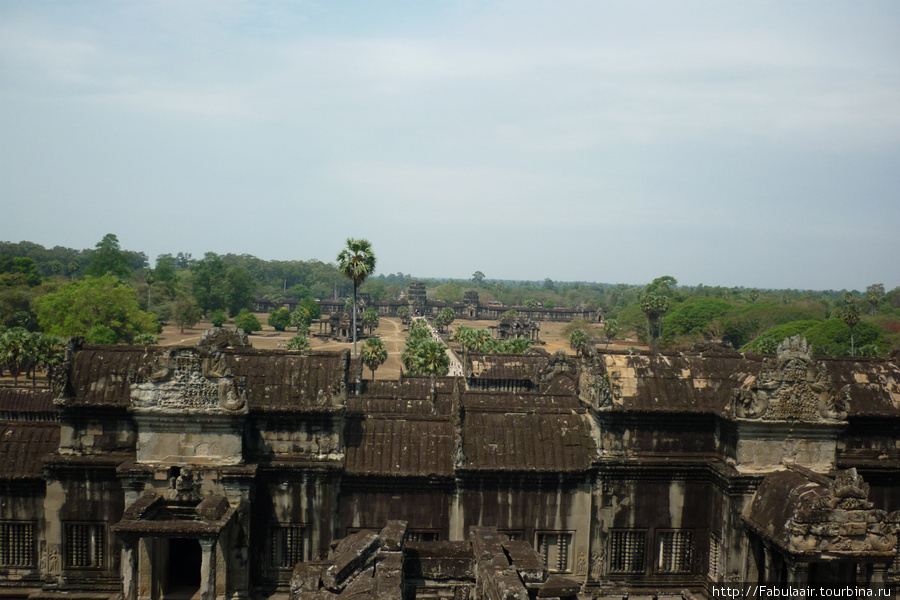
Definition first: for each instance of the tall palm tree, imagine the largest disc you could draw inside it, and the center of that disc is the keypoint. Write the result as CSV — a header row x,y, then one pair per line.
x,y
356,262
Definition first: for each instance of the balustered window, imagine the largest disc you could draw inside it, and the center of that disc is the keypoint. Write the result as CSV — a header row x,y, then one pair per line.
x,y
85,545
17,544
286,545
555,549
626,551
676,549
716,566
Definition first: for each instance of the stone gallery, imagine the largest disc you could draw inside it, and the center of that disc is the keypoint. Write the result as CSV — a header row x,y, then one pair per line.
x,y
219,471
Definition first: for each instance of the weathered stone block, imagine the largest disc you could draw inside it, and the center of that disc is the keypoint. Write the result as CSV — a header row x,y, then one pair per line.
x,y
350,556
558,586
393,535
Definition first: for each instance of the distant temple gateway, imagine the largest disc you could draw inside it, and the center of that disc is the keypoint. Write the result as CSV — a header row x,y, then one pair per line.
x,y
219,471
420,305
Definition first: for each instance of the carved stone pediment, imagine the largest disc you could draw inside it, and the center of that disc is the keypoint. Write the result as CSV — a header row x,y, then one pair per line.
x,y
792,386
842,521
188,379
594,386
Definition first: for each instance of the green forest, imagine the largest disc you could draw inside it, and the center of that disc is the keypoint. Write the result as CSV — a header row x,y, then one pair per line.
x,y
112,295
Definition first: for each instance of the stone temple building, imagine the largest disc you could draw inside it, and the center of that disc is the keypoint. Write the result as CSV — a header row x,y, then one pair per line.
x,y
219,471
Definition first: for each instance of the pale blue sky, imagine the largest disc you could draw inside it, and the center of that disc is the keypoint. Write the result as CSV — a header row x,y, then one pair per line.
x,y
724,143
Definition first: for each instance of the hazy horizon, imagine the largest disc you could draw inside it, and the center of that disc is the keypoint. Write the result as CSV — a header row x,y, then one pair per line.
x,y
730,144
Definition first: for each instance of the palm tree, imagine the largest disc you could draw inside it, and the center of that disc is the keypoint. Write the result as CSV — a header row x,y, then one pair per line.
x,y
430,358
356,262
578,340
374,354
850,316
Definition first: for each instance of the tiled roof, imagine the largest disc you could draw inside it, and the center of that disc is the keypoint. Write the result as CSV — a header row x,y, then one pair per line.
x,y
873,385
532,441
399,446
23,446
677,382
26,400
521,402
99,374
279,380
507,366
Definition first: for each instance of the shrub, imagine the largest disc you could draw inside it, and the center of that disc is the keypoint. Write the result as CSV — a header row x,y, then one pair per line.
x,y
280,319
217,317
247,321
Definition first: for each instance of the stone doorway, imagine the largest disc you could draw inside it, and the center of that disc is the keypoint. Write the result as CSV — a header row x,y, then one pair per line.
x,y
185,561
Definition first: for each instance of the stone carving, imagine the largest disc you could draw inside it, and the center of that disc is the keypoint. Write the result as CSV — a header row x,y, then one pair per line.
x,y
792,386
188,379
59,373
581,563
596,572
842,521
225,337
183,486
594,388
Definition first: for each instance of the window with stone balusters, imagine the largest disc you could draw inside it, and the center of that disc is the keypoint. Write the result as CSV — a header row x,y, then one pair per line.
x,y
17,544
676,551
286,545
554,547
626,551
84,545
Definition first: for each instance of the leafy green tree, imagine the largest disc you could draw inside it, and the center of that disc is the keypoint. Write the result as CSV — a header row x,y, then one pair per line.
x,y
531,303
94,307
578,341
403,313
19,270
754,295
146,339
109,259
312,307
217,318
209,283
356,262
374,354
280,319
298,343
301,319
448,292
13,302
247,321
478,277
510,314
185,312
241,287
610,330
370,319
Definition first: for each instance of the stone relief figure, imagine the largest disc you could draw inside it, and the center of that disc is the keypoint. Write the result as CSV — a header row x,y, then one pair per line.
x,y
596,572
581,563
843,520
792,386
183,486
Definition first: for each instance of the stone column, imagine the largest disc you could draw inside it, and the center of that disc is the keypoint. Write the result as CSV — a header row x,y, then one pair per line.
x,y
877,571
798,573
208,569
129,569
